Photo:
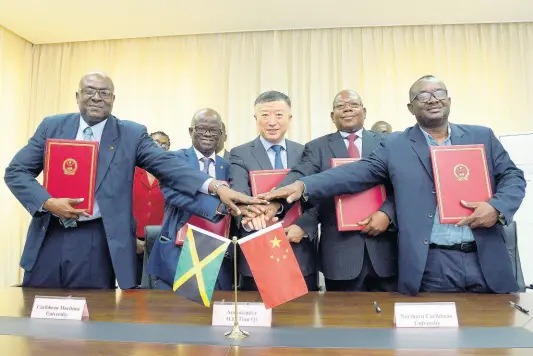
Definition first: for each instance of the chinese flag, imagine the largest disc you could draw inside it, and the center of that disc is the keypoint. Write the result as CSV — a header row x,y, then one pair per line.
x,y
275,269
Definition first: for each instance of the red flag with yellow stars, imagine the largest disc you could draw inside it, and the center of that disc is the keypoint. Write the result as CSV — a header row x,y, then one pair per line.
x,y
275,269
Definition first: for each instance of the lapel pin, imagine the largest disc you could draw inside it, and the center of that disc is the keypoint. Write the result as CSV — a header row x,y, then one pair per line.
x,y
111,147
221,167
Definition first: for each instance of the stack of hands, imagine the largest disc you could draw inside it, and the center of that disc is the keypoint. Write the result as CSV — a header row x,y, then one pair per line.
x,y
257,212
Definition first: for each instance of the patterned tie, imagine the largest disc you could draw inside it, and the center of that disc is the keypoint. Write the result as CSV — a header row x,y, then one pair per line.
x,y
87,136
353,151
207,163
278,163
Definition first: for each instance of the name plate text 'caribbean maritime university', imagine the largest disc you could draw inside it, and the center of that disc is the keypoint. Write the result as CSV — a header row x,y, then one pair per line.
x,y
67,308
425,315
250,314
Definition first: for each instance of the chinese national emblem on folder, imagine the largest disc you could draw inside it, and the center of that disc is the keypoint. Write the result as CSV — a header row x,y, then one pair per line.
x,y
70,170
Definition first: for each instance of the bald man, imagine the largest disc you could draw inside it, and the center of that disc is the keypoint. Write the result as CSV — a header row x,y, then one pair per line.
x,y
206,133
351,260
65,246
382,127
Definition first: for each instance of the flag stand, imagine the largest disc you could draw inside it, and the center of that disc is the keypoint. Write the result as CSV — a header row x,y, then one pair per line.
x,y
236,333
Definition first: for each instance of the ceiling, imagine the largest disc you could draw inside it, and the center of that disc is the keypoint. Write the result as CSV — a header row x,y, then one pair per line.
x,y
52,21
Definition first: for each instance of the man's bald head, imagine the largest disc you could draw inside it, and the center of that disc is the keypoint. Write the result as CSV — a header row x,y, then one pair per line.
x,y
206,130
99,76
348,113
416,87
95,97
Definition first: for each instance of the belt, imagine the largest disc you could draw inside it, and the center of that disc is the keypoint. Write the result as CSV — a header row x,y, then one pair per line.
x,y
56,220
466,247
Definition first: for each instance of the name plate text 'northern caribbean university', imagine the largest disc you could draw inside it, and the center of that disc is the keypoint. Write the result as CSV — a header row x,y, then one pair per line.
x,y
250,314
425,315
67,308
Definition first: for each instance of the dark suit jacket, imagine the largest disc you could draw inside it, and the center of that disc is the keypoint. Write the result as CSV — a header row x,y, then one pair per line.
x,y
342,253
252,156
165,254
123,146
404,160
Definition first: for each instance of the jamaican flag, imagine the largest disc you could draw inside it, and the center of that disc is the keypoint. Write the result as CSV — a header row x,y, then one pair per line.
x,y
198,265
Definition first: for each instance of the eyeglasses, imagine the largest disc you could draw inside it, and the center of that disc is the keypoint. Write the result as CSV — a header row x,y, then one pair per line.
x,y
203,131
91,92
425,96
351,105
163,145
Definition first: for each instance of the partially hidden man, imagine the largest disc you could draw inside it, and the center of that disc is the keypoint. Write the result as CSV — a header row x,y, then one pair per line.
x,y
205,132
271,150
67,248
351,260
470,256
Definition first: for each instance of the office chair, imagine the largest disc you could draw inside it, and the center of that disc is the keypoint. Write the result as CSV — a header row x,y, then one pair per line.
x,y
151,233
511,241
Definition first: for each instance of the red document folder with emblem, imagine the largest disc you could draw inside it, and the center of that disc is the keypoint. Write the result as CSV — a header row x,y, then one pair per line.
x,y
265,181
70,170
221,228
460,173
353,208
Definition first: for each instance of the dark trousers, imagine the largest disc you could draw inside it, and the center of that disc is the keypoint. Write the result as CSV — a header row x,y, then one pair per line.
x,y
367,281
248,283
453,271
76,258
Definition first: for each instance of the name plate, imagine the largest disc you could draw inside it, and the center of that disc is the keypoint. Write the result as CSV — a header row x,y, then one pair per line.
x,y
68,308
250,314
425,315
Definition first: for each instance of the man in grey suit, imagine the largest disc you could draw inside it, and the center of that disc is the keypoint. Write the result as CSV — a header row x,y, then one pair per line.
x,y
68,248
350,260
272,151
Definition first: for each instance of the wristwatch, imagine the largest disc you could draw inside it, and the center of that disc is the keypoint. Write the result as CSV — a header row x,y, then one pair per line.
x,y
217,185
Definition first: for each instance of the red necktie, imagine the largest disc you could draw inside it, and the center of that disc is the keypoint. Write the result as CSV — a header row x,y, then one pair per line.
x,y
352,148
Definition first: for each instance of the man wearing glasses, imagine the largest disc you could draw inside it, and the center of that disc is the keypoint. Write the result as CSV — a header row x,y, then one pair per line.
x,y
65,246
205,132
468,257
148,201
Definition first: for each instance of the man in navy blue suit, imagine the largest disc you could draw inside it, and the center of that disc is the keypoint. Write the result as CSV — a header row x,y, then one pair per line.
x,y
67,248
206,131
468,257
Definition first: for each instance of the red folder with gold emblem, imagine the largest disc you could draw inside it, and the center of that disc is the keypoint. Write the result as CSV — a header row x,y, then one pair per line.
x,y
353,208
70,170
221,228
460,173
265,181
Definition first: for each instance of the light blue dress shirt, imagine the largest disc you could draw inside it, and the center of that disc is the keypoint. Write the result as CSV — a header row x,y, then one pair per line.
x,y
272,154
446,234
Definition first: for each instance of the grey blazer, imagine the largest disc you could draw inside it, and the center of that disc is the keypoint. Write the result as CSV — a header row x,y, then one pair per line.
x,y
252,156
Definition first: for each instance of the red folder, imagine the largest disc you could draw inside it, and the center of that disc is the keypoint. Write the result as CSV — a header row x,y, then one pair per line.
x,y
221,228
70,170
460,173
265,181
352,208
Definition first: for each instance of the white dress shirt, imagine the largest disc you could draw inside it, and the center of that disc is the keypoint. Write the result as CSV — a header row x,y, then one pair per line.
x,y
358,142
212,167
98,129
272,154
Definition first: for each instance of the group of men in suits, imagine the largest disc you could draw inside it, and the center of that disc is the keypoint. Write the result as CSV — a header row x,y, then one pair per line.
x,y
401,247
68,248
470,256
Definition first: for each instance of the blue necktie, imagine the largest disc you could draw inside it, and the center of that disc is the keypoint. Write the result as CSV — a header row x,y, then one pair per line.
x,y
87,136
278,163
207,162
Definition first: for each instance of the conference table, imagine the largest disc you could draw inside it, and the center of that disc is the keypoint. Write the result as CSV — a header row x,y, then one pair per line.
x,y
150,322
